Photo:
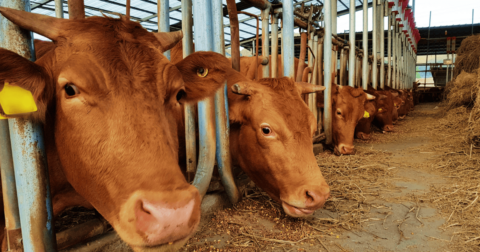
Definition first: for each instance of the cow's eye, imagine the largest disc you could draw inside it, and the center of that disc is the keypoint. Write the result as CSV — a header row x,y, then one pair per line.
x,y
71,90
266,130
202,72
339,112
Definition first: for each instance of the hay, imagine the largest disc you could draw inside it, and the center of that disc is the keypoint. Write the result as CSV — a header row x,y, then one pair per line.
x,y
468,55
258,223
463,90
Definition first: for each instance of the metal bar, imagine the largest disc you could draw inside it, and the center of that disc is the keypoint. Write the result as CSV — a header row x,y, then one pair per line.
x,y
261,4
59,8
343,65
81,232
327,51
222,123
163,20
190,135
13,230
301,57
314,79
28,151
448,57
202,14
389,48
265,14
351,60
288,40
473,15
375,46
365,46
381,30
76,9
127,12
274,57
235,35
454,40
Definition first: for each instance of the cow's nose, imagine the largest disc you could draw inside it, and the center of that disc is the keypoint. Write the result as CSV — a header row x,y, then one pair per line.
x,y
363,136
346,149
161,221
388,128
316,199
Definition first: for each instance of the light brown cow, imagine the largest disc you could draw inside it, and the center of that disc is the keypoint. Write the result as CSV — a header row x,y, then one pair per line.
x,y
108,98
271,131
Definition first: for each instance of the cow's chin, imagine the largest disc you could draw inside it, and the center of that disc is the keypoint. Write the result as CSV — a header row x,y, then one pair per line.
x,y
296,212
175,246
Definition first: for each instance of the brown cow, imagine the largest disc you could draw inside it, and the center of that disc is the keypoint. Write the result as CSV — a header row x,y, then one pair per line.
x,y
271,131
363,129
384,105
348,108
108,98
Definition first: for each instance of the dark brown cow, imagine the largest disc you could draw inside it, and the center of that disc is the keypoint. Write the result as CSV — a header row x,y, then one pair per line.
x,y
108,98
271,131
384,105
348,108
363,129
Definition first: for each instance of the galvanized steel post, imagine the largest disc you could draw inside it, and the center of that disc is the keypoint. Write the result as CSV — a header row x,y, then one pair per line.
x,y
327,51
274,63
59,8
382,44
224,159
365,46
351,59
313,97
28,151
389,48
265,14
190,135
202,14
375,44
13,230
288,40
163,16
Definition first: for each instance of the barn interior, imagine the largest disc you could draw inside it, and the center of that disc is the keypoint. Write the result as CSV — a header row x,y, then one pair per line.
x,y
414,188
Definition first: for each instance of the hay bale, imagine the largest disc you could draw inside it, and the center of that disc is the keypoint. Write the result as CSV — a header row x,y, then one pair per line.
x,y
463,90
468,55
473,136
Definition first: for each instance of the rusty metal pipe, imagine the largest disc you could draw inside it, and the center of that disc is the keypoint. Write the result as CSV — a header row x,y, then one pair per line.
x,y
13,230
256,44
234,33
81,232
301,60
265,41
163,16
190,128
127,11
274,64
222,123
76,9
28,151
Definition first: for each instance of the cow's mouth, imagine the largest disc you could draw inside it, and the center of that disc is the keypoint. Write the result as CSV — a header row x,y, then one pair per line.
x,y
295,211
168,247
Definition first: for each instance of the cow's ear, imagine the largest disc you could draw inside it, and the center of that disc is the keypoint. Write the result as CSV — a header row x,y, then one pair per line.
x,y
20,72
168,39
203,74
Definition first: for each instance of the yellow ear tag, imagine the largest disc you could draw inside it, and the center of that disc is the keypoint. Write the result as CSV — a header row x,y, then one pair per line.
x,y
394,104
366,114
16,100
379,109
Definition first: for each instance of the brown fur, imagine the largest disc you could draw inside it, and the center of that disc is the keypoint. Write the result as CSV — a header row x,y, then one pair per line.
x,y
119,135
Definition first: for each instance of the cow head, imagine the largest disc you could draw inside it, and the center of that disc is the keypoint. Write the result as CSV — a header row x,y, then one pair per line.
x,y
384,105
363,129
108,94
348,108
273,128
